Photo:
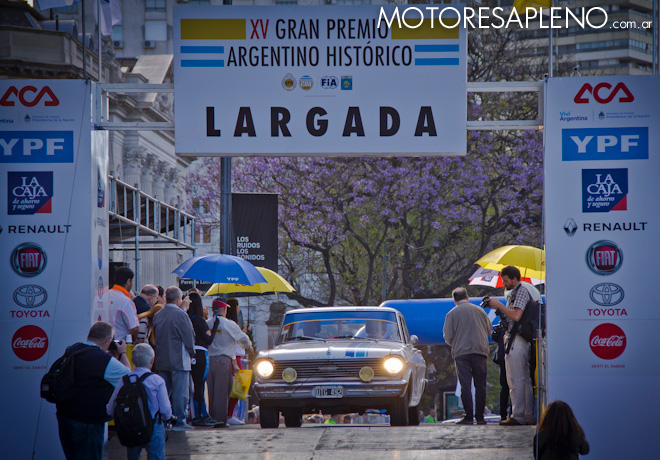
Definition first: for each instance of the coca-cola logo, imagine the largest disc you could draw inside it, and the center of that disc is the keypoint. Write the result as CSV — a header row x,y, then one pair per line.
x,y
607,341
29,343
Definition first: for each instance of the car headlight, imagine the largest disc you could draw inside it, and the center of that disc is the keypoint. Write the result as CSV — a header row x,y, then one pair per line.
x,y
393,365
265,369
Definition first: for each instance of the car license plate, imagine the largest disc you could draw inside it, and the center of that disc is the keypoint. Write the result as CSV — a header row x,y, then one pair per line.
x,y
329,392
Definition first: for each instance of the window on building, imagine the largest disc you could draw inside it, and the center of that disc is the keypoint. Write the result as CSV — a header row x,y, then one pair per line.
x,y
67,9
353,2
155,31
286,2
199,2
118,33
155,5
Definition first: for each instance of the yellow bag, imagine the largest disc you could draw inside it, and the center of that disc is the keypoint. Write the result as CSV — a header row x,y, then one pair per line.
x,y
241,384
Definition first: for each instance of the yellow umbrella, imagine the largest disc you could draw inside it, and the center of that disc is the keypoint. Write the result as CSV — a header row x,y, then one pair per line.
x,y
530,260
274,283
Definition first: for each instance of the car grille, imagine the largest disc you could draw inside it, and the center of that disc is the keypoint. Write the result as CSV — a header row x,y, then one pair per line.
x,y
325,369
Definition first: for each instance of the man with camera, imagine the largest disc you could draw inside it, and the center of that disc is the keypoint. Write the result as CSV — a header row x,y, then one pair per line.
x,y
81,419
518,349
175,347
466,330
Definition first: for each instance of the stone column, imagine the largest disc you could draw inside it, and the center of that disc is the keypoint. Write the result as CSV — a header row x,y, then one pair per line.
x,y
171,186
134,160
158,187
146,176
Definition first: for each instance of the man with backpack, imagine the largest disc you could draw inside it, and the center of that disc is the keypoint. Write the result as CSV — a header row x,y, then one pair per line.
x,y
81,417
518,342
140,406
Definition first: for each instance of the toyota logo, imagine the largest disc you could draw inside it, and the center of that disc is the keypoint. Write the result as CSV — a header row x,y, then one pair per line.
x,y
30,296
606,294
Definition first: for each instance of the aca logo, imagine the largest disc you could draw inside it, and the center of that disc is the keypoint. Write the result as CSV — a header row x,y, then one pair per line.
x,y
603,93
604,190
604,257
28,259
29,96
595,144
29,192
607,341
29,343
347,83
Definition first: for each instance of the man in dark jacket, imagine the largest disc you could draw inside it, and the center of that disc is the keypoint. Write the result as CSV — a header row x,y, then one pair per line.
x,y
81,420
147,298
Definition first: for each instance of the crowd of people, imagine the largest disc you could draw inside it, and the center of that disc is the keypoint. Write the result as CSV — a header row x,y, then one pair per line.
x,y
166,333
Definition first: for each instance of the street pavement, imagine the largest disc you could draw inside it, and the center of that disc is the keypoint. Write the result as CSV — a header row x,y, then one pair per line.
x,y
338,442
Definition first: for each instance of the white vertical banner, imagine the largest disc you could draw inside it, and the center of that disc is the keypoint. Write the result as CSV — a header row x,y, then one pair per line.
x,y
602,212
50,251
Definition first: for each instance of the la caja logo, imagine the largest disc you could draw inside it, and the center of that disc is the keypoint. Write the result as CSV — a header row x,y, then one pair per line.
x,y
29,96
607,341
29,343
603,93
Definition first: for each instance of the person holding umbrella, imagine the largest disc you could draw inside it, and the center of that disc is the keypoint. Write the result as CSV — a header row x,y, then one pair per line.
x,y
222,353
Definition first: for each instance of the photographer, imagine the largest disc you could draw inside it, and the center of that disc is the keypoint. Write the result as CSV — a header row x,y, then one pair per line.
x,y
81,419
518,349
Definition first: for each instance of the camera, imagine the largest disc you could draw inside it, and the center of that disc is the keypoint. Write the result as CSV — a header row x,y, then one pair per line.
x,y
484,302
113,345
171,422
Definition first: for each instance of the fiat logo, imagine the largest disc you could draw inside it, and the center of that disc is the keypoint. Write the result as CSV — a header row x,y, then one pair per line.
x,y
28,259
604,257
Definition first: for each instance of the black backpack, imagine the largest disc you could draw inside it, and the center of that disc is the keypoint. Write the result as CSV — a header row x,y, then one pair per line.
x,y
59,384
133,420
533,318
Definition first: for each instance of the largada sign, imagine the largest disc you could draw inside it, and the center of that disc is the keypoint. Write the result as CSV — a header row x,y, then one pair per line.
x,y
283,81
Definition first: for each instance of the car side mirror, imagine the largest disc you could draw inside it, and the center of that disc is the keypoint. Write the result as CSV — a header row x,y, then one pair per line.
x,y
413,340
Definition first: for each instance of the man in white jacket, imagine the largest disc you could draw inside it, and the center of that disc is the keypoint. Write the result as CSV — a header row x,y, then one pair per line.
x,y
222,354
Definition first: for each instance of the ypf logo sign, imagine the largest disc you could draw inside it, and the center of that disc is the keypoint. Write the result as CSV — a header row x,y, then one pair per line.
x,y
28,259
604,190
29,96
598,144
603,93
607,341
29,343
604,257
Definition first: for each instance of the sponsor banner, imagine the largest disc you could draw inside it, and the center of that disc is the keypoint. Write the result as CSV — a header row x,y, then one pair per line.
x,y
602,211
327,74
50,192
255,221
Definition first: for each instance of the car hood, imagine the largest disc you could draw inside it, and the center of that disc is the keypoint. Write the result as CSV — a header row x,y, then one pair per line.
x,y
333,349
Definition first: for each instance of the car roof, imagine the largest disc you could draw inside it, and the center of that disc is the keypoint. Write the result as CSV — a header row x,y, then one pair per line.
x,y
340,309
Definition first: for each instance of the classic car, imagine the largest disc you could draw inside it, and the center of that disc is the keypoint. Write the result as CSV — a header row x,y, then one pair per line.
x,y
340,360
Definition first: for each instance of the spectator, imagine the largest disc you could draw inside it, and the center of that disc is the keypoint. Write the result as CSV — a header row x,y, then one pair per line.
x,y
81,420
200,369
174,349
518,350
161,296
157,400
560,436
221,358
466,330
146,325
498,358
431,418
233,312
148,298
117,302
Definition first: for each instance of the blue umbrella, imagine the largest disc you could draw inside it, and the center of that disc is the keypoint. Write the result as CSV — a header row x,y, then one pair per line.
x,y
219,268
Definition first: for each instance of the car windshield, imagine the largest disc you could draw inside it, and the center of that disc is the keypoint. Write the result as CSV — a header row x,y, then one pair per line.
x,y
340,325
